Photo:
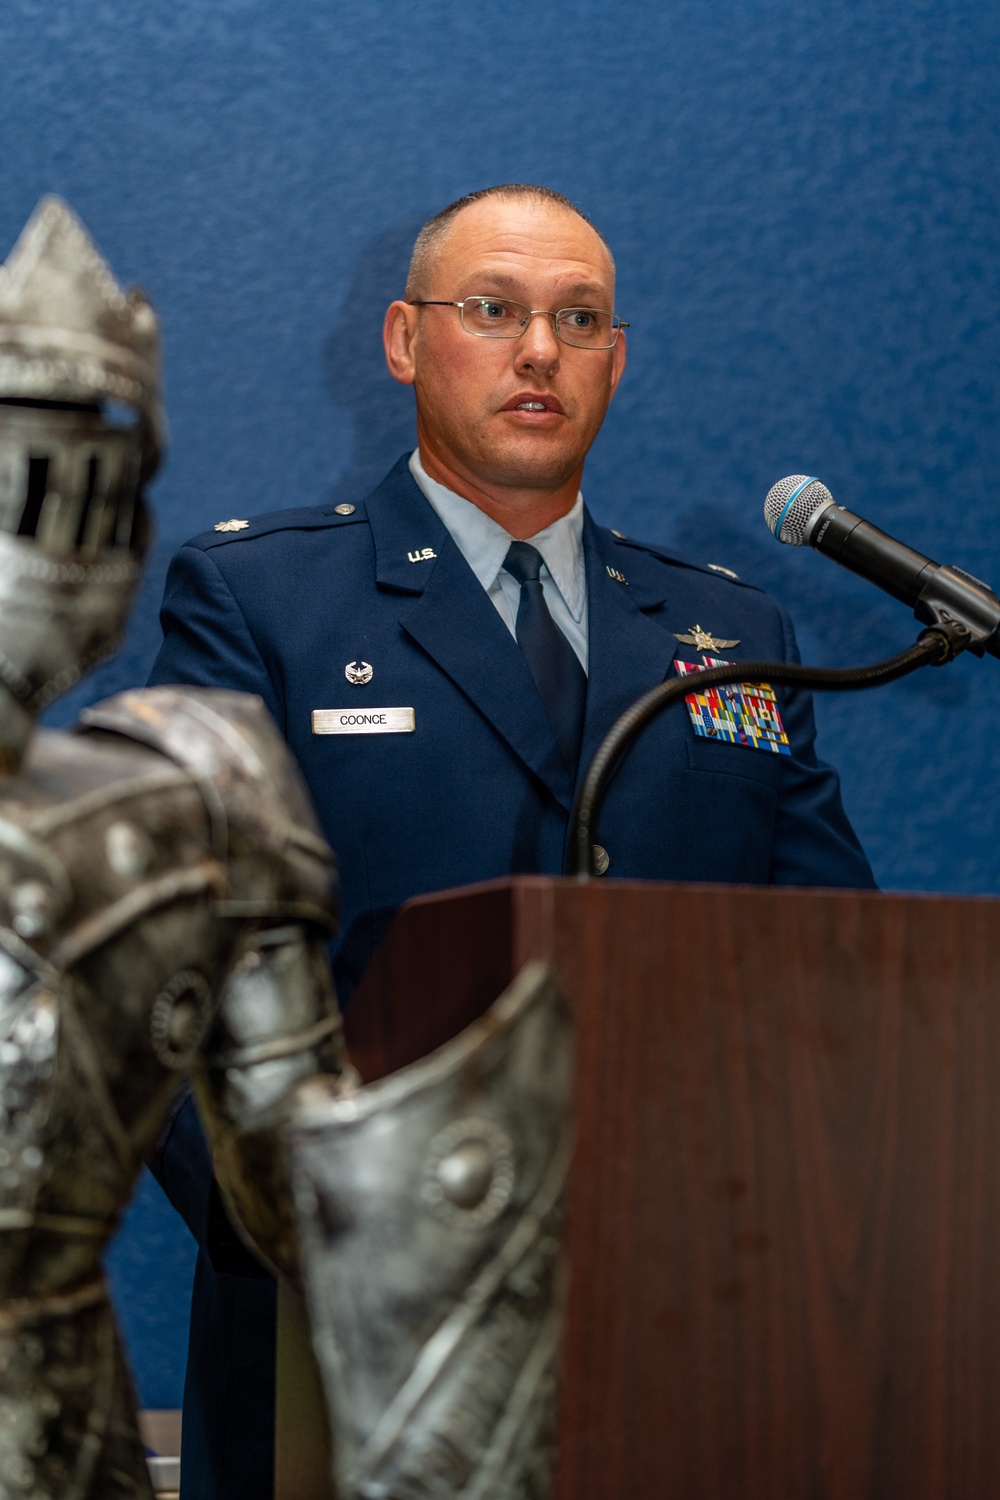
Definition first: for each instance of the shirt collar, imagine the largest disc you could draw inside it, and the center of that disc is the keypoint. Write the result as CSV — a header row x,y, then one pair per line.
x,y
483,542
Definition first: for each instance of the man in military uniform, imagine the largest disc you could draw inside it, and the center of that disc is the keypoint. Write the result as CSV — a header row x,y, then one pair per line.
x,y
445,656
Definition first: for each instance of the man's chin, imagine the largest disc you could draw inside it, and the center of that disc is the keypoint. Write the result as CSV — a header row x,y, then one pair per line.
x,y
527,465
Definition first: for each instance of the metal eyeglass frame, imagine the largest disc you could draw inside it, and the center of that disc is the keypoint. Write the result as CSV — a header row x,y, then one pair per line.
x,y
531,312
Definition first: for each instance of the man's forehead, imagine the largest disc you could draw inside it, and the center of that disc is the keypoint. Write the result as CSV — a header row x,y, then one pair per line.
x,y
515,240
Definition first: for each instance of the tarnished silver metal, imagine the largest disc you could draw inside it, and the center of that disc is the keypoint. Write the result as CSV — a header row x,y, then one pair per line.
x,y
75,349
191,935
70,333
165,895
58,618
430,1211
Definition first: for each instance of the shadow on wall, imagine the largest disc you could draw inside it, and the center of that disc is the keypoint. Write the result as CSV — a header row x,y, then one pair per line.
x,y
356,376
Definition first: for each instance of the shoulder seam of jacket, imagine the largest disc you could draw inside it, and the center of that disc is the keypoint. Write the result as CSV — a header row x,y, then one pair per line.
x,y
267,525
665,555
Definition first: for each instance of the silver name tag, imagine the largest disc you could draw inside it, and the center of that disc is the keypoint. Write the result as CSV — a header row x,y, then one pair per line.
x,y
363,721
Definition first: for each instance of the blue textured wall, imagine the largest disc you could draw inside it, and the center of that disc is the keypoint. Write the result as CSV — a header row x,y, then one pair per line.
x,y
803,199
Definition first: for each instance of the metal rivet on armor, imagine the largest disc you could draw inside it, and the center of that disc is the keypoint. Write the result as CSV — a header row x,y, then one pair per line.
x,y
33,906
470,1173
128,850
602,859
523,1284
179,1018
344,510
466,1173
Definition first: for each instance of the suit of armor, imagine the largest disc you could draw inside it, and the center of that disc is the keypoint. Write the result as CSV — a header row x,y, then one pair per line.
x,y
165,895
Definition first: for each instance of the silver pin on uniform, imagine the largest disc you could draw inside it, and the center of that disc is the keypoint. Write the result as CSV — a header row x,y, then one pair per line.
x,y
359,674
703,640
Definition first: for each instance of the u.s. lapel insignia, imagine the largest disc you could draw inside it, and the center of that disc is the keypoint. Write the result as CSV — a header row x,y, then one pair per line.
x,y
614,573
359,674
743,713
703,640
231,525
422,554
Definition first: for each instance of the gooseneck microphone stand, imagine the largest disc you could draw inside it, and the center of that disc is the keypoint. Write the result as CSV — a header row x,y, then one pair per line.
x,y
939,644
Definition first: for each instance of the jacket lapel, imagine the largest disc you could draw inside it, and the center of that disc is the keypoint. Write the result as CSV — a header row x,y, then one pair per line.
x,y
453,620
629,653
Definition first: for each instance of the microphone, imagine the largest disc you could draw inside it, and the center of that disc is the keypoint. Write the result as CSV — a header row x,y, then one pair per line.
x,y
801,511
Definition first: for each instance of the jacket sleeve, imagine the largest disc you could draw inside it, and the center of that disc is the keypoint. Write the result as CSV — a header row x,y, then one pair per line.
x,y
182,1165
207,641
814,843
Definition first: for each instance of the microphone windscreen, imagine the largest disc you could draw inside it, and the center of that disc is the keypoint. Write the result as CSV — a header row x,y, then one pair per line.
x,y
791,505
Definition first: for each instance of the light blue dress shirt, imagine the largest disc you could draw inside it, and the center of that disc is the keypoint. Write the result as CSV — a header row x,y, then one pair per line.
x,y
484,544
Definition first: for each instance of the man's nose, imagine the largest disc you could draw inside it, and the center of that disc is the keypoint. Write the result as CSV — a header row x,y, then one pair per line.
x,y
537,347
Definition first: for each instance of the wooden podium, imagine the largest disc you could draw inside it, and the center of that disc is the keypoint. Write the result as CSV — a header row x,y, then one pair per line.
x,y
785,1226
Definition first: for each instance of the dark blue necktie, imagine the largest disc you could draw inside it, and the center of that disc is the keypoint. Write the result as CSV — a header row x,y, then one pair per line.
x,y
552,662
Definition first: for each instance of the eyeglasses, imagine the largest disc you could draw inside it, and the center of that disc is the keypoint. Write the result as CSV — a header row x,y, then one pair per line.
x,y
498,318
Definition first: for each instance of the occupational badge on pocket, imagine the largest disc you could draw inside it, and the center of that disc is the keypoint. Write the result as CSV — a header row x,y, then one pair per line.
x,y
744,713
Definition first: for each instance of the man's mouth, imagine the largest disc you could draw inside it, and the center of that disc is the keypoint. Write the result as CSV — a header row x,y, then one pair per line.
x,y
534,403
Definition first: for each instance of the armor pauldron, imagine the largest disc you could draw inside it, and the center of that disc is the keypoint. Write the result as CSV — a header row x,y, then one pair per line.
x,y
229,745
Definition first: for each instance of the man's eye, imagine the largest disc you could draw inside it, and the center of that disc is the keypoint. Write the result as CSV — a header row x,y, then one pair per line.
x,y
495,309
579,317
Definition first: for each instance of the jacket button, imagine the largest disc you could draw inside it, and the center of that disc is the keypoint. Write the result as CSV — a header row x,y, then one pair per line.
x,y
344,510
602,859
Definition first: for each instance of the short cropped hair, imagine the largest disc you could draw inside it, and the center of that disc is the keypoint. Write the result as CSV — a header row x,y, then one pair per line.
x,y
434,231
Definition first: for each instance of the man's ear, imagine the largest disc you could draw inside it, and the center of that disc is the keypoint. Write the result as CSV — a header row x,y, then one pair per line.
x,y
618,361
398,334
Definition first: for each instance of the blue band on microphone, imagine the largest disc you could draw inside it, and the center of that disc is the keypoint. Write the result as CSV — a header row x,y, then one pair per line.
x,y
791,501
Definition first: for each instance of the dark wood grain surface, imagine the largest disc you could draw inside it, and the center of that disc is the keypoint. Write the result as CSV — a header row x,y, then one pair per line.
x,y
786,1200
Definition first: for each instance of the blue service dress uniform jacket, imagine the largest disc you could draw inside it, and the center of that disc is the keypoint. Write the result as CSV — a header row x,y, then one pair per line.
x,y
478,790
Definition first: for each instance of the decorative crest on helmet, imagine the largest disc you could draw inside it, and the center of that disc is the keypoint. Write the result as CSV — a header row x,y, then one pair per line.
x,y
69,331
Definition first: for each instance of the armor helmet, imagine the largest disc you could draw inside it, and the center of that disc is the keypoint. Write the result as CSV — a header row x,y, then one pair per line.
x,y
80,434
